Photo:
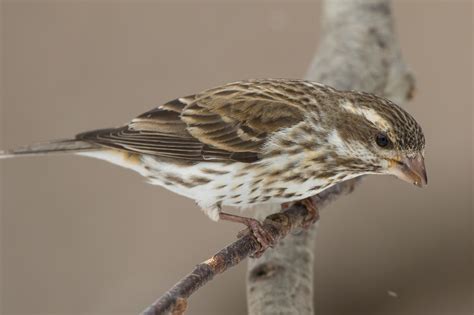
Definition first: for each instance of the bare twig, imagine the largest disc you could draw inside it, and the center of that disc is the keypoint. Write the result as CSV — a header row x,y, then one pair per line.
x,y
278,225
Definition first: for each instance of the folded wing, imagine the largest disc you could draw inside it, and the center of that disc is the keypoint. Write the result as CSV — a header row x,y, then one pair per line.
x,y
231,122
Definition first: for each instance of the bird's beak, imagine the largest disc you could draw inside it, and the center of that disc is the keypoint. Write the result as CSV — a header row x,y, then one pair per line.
x,y
410,169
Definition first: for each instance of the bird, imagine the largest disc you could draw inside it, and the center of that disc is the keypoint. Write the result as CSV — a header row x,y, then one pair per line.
x,y
257,141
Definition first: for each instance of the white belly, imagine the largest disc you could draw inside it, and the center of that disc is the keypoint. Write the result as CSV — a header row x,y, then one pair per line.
x,y
212,184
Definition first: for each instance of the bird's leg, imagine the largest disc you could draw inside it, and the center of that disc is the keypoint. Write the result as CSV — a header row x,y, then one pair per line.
x,y
285,205
313,213
264,238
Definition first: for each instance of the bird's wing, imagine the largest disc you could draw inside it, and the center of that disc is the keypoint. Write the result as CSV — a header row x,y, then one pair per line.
x,y
231,122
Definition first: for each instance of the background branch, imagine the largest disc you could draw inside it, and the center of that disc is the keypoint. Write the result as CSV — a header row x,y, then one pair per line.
x,y
358,51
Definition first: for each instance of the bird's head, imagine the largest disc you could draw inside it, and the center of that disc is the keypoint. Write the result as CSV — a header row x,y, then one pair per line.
x,y
379,136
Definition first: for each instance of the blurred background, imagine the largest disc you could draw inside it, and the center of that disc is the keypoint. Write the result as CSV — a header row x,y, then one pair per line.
x,y
80,236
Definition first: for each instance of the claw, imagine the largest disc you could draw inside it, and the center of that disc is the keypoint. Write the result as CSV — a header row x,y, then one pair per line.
x,y
313,213
264,238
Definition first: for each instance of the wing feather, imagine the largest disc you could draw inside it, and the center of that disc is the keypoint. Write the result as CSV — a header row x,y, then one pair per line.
x,y
231,122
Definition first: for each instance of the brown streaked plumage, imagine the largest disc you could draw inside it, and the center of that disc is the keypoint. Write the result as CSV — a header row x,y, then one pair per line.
x,y
257,141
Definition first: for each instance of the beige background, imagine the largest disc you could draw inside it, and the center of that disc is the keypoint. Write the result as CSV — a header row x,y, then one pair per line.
x,y
80,236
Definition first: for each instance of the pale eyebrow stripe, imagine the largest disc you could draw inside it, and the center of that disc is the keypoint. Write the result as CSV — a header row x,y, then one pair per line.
x,y
369,114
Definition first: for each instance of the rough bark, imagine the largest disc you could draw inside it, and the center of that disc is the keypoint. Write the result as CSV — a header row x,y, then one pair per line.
x,y
358,51
279,225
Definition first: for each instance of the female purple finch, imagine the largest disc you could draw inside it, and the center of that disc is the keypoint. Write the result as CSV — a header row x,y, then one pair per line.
x,y
258,141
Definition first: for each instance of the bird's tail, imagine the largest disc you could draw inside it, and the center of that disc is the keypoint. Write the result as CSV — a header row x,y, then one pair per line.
x,y
56,146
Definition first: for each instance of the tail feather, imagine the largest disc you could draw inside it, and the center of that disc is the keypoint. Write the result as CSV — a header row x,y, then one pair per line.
x,y
57,146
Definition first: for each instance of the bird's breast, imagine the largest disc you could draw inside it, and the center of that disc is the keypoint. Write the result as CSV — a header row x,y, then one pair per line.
x,y
280,178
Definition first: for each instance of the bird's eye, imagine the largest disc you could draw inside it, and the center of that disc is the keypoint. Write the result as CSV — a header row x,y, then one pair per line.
x,y
382,140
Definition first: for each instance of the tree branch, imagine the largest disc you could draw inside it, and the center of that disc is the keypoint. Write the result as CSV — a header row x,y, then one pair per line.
x,y
358,51
277,224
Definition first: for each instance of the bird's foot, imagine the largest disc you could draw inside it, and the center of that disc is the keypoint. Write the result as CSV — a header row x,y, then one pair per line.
x,y
313,213
285,205
264,238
